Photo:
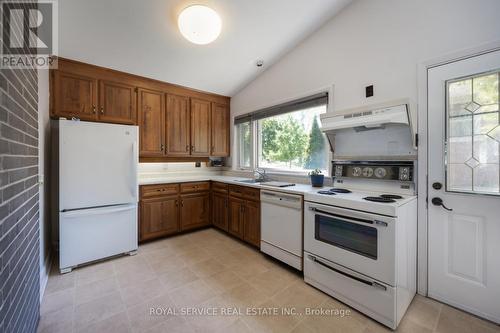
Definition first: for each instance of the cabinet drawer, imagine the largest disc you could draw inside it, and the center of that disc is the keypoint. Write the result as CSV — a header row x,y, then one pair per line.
x,y
219,187
148,191
195,187
251,193
236,191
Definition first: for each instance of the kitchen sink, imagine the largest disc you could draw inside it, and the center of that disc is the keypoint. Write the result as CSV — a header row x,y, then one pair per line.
x,y
250,181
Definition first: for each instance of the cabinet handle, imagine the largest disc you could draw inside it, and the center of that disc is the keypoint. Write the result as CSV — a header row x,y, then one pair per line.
x,y
93,109
176,203
187,147
182,203
162,147
102,109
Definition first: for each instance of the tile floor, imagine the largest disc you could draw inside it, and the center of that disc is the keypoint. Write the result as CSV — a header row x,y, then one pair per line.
x,y
209,270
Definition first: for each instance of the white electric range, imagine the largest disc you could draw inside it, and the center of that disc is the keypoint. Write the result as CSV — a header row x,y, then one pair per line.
x,y
360,238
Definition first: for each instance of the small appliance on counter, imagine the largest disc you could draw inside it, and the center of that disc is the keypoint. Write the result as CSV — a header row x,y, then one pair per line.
x,y
216,162
95,190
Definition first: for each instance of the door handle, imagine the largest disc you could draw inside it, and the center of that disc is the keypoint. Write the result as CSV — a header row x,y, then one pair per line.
x,y
437,186
439,202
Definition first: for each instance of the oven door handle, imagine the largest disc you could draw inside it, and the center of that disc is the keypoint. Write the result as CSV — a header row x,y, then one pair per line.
x,y
348,219
374,284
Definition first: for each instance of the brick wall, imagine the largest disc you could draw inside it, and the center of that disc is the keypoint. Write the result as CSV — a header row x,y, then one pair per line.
x,y
19,228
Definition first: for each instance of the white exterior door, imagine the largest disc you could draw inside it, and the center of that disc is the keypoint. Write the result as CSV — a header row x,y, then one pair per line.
x,y
463,183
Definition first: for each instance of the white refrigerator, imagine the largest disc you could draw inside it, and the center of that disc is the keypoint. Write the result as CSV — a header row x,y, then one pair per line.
x,y
96,190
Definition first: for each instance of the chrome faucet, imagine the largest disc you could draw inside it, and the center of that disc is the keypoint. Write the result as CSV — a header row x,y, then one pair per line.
x,y
261,175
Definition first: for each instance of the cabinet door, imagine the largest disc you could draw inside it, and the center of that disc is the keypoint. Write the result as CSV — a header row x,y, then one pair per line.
x,y
117,103
151,122
74,96
251,221
178,126
220,210
235,225
200,127
159,217
219,128
195,209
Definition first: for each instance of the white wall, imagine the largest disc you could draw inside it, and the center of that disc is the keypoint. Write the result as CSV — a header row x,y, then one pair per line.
x,y
152,169
43,170
377,42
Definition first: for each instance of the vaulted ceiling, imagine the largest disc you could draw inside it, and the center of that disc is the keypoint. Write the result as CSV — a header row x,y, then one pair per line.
x,y
141,37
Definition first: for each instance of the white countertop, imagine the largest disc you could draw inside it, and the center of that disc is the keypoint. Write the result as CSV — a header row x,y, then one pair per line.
x,y
351,200
296,189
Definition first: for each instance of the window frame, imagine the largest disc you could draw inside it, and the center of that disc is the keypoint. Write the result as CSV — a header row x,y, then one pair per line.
x,y
254,158
251,167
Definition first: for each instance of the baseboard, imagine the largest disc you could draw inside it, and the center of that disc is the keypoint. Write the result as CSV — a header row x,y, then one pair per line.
x,y
44,274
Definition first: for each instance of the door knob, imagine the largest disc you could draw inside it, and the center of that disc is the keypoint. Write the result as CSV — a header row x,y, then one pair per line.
x,y
439,202
437,186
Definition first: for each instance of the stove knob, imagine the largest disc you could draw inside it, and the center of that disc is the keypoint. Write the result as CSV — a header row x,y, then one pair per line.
x,y
404,173
367,172
338,171
356,171
380,172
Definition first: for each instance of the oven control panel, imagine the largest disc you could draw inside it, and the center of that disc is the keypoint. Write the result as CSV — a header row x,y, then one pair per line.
x,y
402,171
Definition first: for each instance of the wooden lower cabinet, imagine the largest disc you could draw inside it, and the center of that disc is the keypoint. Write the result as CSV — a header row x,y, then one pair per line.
x,y
167,209
159,217
195,210
220,210
235,226
251,223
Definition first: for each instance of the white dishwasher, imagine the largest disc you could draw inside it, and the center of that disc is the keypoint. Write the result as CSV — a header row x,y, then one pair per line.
x,y
281,227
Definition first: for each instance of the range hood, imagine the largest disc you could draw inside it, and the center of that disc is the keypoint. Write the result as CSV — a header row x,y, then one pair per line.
x,y
366,119
383,131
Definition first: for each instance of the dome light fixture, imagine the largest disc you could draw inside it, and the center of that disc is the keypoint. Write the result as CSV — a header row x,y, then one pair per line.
x,y
199,24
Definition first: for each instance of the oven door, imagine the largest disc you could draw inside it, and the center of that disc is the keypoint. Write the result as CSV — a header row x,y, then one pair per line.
x,y
360,241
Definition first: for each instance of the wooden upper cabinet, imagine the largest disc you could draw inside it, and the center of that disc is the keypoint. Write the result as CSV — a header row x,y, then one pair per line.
x,y
74,96
117,103
219,127
151,121
178,126
200,127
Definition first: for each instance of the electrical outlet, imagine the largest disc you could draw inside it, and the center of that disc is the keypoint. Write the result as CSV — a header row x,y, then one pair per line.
x,y
369,91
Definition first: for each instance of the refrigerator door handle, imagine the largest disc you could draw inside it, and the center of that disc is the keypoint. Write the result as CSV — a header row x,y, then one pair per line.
x,y
97,211
135,188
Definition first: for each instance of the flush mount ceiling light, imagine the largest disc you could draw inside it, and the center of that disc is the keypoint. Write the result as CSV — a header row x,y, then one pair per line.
x,y
199,24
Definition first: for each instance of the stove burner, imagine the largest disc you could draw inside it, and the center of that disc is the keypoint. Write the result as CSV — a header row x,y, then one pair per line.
x,y
391,196
379,199
327,192
339,190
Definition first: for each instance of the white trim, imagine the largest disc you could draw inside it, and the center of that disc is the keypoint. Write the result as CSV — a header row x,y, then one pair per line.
x,y
422,71
44,274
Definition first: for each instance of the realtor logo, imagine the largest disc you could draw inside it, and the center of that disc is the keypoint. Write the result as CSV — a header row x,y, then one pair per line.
x,y
29,34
